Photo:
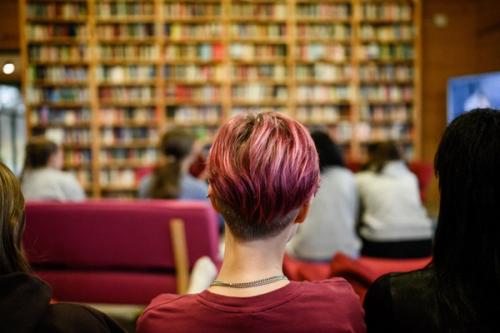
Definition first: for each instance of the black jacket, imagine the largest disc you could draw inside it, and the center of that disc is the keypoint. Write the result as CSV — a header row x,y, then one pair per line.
x,y
409,303
25,308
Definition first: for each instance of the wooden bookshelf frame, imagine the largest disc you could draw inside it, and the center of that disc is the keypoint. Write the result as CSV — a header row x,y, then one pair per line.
x,y
353,117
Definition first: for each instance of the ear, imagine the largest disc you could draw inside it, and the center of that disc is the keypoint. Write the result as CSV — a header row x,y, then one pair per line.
x,y
301,216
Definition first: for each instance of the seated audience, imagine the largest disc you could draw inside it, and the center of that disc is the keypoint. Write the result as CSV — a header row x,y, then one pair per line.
x,y
42,178
263,171
25,301
459,291
171,178
330,224
393,222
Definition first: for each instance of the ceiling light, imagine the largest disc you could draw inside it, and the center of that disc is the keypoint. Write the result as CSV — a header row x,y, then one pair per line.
x,y
8,68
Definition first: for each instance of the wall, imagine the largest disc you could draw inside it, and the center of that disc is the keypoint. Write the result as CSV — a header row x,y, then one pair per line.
x,y
9,25
488,36
469,43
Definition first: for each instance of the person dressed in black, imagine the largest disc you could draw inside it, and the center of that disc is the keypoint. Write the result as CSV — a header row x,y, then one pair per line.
x,y
460,290
25,301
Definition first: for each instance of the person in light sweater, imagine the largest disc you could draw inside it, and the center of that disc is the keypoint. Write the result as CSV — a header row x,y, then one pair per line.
x,y
394,223
42,177
331,223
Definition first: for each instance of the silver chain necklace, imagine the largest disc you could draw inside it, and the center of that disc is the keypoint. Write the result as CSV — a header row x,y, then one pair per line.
x,y
251,284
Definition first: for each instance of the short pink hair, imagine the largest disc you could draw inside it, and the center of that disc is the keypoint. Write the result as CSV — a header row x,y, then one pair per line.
x,y
262,168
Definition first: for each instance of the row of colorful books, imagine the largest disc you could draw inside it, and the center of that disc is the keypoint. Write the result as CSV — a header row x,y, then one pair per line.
x,y
145,155
392,32
178,31
320,114
321,51
116,177
202,51
323,93
126,73
338,32
124,94
335,11
47,31
56,10
191,9
118,115
386,11
257,31
386,93
195,73
58,95
77,156
58,74
376,51
386,113
58,53
385,72
323,72
44,116
258,92
129,30
123,9
256,72
186,115
185,93
124,135
128,52
251,51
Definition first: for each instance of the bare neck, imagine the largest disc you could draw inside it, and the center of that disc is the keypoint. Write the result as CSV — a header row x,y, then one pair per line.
x,y
246,261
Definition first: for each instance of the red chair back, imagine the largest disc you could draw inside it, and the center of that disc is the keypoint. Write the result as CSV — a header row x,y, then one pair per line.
x,y
104,242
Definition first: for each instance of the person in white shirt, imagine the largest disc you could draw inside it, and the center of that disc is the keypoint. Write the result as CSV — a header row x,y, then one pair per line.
x,y
331,223
42,178
394,223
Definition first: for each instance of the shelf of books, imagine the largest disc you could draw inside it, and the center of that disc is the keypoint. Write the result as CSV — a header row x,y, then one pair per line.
x,y
57,93
193,74
388,53
324,67
127,62
107,77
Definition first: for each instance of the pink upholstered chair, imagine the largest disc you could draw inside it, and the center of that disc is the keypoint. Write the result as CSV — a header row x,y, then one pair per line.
x,y
360,273
121,252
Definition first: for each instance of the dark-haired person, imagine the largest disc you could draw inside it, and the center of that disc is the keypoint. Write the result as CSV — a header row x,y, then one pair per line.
x,y
25,301
42,177
460,290
393,222
263,171
331,223
171,178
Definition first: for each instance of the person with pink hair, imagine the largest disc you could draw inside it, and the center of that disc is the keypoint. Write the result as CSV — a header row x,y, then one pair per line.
x,y
263,172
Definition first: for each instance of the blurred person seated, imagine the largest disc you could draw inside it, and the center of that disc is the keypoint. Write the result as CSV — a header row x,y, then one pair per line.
x,y
393,221
42,177
331,223
25,301
460,289
263,171
171,178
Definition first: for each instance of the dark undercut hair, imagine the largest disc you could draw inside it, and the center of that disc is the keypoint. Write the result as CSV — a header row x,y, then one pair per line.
x,y
467,240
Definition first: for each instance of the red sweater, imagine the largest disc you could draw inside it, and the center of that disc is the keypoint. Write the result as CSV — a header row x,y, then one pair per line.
x,y
324,306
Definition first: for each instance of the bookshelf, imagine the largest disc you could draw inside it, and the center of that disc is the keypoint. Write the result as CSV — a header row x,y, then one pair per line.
x,y
108,76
